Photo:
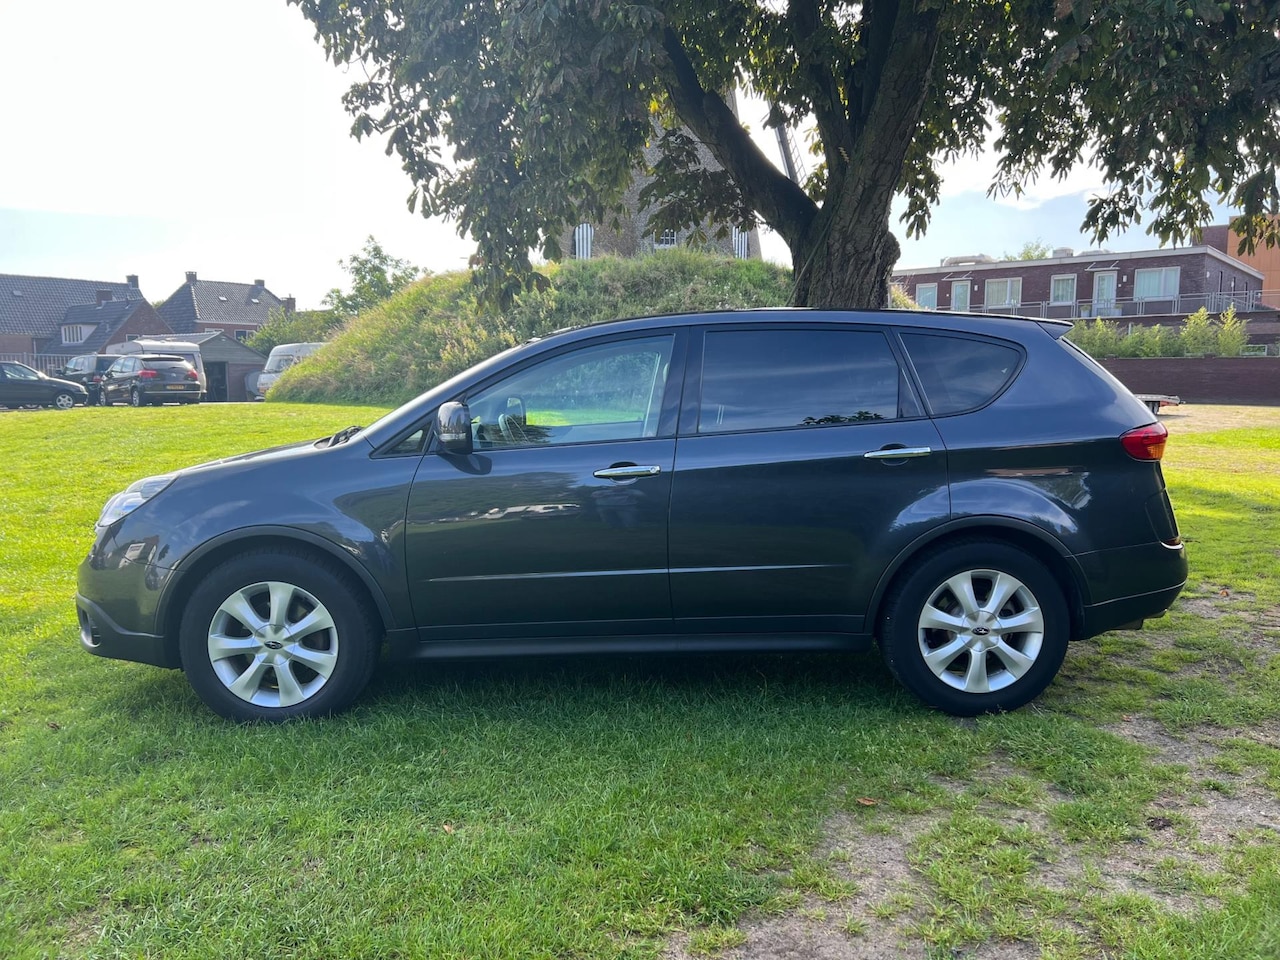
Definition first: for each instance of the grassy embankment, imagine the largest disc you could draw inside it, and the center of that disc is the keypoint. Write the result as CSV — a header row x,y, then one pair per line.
x,y
601,807
432,330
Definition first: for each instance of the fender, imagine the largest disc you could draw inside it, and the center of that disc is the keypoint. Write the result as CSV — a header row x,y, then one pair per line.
x,y
177,579
962,525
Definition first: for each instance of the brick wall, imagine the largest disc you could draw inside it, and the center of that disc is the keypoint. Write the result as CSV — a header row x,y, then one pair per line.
x,y
1203,379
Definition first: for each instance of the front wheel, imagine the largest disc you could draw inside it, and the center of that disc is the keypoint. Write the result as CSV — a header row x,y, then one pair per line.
x,y
272,635
977,628
135,398
64,401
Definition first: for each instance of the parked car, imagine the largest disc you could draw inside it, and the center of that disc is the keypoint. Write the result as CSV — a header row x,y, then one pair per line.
x,y
21,386
281,358
146,378
87,370
185,349
971,492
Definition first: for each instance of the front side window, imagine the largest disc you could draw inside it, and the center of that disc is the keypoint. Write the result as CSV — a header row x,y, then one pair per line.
x,y
927,295
1063,289
772,379
1156,282
610,391
16,371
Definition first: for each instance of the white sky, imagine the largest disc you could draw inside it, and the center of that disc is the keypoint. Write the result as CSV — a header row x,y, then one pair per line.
x,y
160,136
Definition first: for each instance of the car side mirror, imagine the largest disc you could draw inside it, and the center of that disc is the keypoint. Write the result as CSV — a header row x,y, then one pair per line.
x,y
453,428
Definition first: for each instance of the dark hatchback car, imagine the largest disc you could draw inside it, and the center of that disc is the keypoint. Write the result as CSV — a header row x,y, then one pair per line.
x,y
973,493
149,378
21,386
87,370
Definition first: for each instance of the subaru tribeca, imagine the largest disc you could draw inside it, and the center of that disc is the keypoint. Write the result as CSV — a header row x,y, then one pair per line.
x,y
971,493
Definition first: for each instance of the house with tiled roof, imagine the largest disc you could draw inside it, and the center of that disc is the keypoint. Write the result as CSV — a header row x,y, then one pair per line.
x,y
32,308
216,306
90,327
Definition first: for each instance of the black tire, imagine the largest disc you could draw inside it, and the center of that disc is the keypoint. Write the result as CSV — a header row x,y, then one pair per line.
x,y
136,399
63,400
1016,665
103,401
310,587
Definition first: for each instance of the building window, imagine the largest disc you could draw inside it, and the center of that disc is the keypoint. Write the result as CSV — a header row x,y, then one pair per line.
x,y
927,295
741,244
242,335
583,235
76,332
666,240
1004,293
1063,289
1155,283
130,337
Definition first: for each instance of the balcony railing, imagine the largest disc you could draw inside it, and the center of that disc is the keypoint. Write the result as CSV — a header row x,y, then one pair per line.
x,y
1245,302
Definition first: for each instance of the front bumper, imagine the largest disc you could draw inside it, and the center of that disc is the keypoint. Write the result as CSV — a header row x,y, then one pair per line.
x,y
103,637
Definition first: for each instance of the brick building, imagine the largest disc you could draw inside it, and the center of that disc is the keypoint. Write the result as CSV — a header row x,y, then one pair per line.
x,y
216,306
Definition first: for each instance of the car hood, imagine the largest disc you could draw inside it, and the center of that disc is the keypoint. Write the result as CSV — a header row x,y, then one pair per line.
x,y
68,384
291,451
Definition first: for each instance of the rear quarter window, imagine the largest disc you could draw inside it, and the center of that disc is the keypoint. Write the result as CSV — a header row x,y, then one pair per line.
x,y
960,373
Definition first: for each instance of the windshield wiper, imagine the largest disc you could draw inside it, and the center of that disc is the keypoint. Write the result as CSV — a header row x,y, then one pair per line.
x,y
343,435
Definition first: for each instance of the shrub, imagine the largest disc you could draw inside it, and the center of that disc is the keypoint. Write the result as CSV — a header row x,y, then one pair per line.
x,y
1233,334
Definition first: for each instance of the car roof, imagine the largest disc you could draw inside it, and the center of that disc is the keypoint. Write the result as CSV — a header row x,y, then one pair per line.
x,y
995,325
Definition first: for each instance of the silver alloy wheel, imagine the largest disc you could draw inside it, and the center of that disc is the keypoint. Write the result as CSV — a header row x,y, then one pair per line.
x,y
981,631
64,401
273,644
136,397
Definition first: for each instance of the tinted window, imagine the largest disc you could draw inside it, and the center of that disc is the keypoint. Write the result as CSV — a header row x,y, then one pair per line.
x,y
765,379
958,373
610,391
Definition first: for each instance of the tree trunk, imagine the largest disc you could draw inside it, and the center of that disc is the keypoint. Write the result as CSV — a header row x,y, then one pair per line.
x,y
846,258
846,261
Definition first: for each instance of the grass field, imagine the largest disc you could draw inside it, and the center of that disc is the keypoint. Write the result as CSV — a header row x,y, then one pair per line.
x,y
638,807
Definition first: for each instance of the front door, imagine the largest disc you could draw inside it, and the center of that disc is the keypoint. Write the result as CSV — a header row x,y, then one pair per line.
x,y
806,468
960,296
557,524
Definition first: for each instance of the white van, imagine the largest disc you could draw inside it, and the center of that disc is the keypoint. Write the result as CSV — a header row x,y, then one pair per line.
x,y
280,359
185,349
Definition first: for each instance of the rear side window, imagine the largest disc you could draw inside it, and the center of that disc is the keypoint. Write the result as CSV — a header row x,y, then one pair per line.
x,y
770,379
958,373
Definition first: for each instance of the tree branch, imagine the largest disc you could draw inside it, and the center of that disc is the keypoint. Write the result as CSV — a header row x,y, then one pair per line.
x,y
828,109
784,206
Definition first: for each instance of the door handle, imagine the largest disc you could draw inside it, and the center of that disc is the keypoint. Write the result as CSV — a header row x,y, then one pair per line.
x,y
897,453
626,472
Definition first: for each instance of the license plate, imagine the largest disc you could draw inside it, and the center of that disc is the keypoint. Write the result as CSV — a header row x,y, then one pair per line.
x,y
175,386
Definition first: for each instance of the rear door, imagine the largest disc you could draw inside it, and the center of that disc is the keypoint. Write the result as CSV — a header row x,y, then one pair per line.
x,y
804,465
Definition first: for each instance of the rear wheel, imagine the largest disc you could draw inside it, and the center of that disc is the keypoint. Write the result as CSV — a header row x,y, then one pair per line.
x,y
273,635
976,628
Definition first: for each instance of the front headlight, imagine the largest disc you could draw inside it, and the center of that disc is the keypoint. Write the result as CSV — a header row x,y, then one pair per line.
x,y
135,496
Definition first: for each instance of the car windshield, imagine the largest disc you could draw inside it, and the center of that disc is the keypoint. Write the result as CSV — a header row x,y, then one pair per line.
x,y
279,364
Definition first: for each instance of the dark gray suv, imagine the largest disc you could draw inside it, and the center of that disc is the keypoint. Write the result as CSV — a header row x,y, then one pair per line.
x,y
972,493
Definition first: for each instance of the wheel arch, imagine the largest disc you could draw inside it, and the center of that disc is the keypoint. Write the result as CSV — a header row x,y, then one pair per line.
x,y
209,555
1027,537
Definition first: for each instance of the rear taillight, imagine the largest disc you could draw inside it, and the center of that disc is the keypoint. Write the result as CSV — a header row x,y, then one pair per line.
x,y
192,375
147,374
1145,443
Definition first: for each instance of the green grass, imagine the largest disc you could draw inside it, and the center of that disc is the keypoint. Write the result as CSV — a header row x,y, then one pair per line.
x,y
601,807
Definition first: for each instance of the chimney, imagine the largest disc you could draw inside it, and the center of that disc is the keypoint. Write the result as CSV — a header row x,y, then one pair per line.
x,y
132,280
191,276
102,296
259,283
290,304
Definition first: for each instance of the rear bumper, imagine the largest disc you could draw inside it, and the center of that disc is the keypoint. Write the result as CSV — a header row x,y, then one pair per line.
x,y
1129,585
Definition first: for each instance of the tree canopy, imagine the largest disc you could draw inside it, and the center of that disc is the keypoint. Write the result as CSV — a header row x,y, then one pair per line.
x,y
522,118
